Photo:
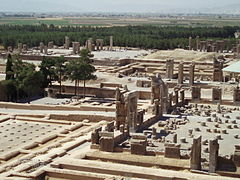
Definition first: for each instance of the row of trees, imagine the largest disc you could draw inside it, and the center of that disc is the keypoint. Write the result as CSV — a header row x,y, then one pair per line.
x,y
155,37
25,80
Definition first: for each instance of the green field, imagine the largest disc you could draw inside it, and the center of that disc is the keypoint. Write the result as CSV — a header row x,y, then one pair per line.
x,y
122,21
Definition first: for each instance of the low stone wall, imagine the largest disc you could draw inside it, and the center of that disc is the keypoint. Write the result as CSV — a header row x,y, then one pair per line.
x,y
79,117
98,92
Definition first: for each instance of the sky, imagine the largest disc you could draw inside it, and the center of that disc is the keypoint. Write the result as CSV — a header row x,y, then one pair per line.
x,y
111,5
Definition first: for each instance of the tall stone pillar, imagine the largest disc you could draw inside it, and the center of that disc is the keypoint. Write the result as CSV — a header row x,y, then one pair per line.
x,y
190,43
238,51
197,43
182,96
236,96
89,45
216,94
169,68
217,70
195,160
213,155
67,42
41,47
176,101
111,43
191,73
180,73
45,50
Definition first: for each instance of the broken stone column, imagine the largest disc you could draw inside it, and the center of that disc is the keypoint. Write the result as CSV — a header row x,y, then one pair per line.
x,y
182,96
111,43
24,49
156,109
213,155
67,42
216,94
191,73
236,156
196,93
89,45
20,47
175,138
217,70
197,43
176,96
45,50
236,95
76,47
169,68
190,43
41,47
180,73
238,51
50,45
120,109
95,136
195,159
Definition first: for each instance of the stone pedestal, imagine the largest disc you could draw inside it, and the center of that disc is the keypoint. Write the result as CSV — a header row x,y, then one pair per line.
x,y
172,151
107,144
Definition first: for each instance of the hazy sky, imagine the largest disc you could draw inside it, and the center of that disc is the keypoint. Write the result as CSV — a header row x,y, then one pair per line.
x,y
109,5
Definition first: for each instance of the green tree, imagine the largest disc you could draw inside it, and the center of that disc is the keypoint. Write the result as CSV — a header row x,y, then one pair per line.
x,y
48,70
60,71
81,70
9,66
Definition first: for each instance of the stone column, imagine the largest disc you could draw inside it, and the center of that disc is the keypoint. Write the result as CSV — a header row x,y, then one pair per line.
x,y
191,74
89,45
24,48
196,93
216,94
197,43
45,50
41,47
238,51
170,97
169,68
236,95
176,96
217,70
182,96
180,73
195,159
190,43
67,42
213,155
111,43
20,47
